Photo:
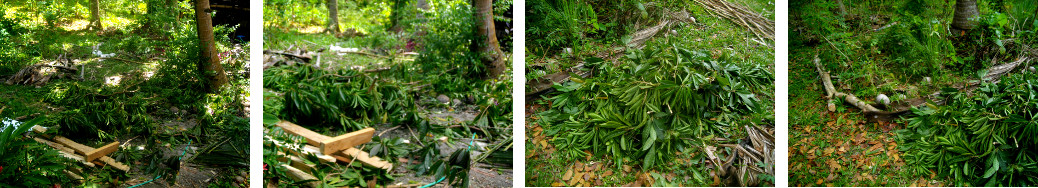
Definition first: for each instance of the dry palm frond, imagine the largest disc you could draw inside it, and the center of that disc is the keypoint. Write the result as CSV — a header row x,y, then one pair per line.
x,y
639,38
762,27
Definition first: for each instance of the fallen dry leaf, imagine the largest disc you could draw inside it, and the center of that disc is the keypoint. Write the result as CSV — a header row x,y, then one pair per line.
x,y
568,175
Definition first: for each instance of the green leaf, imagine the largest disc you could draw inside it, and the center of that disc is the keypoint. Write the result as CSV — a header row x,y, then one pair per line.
x,y
270,119
992,168
651,139
650,158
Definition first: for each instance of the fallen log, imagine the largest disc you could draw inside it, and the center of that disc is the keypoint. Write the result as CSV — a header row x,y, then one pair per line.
x,y
993,75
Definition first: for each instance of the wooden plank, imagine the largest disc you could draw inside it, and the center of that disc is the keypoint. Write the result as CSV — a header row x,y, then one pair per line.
x,y
114,164
79,148
348,140
359,155
299,175
77,158
296,162
306,150
313,138
102,151
55,145
73,176
83,149
39,129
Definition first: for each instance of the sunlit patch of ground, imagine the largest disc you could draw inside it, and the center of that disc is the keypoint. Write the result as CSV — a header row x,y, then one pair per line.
x,y
311,29
75,25
116,22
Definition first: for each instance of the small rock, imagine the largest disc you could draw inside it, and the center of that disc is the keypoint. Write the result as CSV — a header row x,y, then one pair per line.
x,y
568,50
443,99
1031,68
456,102
926,80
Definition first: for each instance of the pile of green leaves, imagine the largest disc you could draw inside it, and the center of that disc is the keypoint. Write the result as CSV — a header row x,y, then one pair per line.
x,y
345,97
658,101
978,139
26,163
104,112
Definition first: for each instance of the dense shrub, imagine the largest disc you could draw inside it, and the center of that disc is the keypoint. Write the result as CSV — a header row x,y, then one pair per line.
x,y
917,47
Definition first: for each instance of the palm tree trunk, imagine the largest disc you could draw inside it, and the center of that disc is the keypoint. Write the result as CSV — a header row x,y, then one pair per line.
x,y
966,15
210,64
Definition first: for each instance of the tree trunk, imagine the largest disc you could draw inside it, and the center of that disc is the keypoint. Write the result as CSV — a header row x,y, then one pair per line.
x,y
843,9
333,16
396,14
210,63
493,57
95,15
966,15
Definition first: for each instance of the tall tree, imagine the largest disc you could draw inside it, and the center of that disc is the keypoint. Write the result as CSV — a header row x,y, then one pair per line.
x,y
966,15
210,63
95,15
843,9
333,16
493,57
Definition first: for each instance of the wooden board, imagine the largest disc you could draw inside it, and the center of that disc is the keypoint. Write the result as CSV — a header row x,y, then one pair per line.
x,y
114,164
348,140
73,176
329,145
79,148
352,154
299,175
306,150
296,162
313,138
83,149
102,151
55,145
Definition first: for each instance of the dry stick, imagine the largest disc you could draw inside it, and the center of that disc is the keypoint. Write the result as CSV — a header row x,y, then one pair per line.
x,y
831,91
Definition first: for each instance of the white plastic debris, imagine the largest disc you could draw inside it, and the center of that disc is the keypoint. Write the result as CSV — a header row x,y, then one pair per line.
x,y
883,99
98,53
341,49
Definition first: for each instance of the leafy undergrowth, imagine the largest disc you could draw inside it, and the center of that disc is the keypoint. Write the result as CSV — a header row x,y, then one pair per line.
x,y
435,112
646,116
906,50
147,95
